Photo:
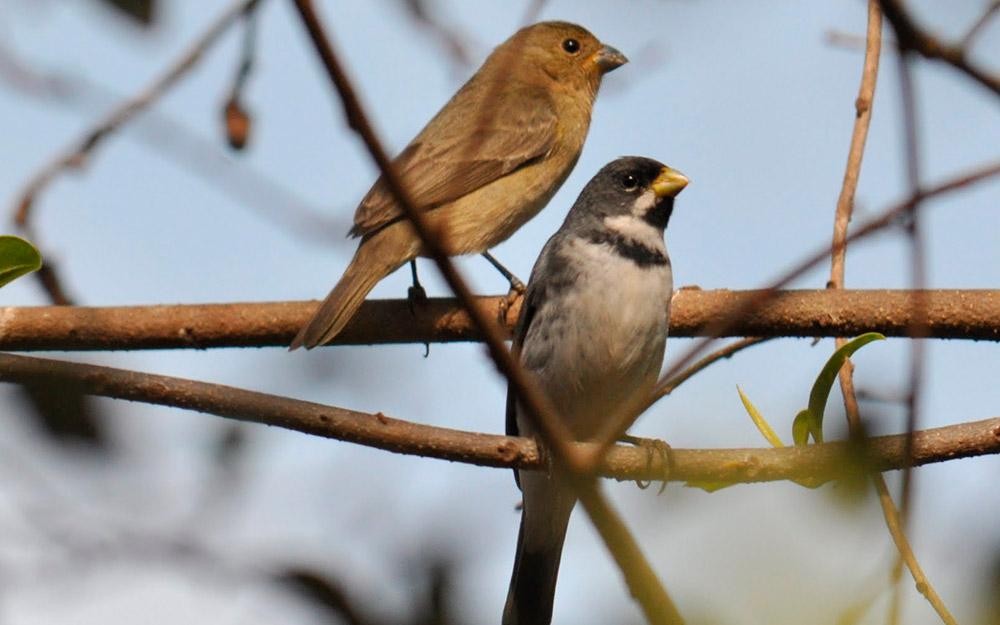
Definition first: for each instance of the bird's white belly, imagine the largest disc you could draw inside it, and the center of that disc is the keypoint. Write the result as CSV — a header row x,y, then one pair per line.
x,y
617,329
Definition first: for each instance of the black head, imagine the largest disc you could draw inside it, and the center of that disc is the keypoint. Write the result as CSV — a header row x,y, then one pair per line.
x,y
631,185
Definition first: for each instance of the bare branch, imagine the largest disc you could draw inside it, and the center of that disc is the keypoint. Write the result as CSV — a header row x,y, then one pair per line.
x,y
190,151
642,580
820,462
845,208
912,37
76,155
237,120
668,386
533,10
953,314
452,40
855,155
979,25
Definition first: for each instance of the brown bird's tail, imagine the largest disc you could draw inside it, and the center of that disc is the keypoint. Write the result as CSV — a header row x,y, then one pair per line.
x,y
376,258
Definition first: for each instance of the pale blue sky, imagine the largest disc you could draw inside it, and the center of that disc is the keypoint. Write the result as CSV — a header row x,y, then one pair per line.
x,y
746,98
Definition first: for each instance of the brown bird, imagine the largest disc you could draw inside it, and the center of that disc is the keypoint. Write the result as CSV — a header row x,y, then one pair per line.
x,y
488,162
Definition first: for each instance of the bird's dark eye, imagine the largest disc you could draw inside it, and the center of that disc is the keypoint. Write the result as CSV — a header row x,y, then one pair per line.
x,y
571,46
629,182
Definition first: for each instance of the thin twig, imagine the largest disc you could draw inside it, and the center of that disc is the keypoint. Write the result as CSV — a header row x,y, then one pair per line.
x,y
643,582
911,155
76,155
669,385
980,23
248,51
452,40
182,146
898,533
855,155
911,151
237,119
834,460
842,218
533,10
970,314
845,205
850,41
50,279
912,37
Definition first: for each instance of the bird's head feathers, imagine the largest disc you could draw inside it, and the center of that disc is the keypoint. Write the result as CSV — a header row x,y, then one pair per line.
x,y
561,52
631,187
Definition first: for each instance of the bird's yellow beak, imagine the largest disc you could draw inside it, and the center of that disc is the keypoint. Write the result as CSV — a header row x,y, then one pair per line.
x,y
669,183
607,59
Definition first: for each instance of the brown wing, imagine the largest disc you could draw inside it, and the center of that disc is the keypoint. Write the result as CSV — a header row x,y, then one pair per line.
x,y
468,145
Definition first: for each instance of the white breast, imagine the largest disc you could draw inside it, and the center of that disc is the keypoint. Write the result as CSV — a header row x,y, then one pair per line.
x,y
607,344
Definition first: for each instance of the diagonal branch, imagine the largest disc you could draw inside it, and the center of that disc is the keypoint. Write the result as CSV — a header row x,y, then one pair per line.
x,y
912,37
642,581
76,155
667,386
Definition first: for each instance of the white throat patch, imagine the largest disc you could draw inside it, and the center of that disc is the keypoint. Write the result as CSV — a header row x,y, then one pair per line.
x,y
636,228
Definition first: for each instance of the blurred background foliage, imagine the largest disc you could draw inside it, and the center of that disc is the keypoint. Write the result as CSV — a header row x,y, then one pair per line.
x,y
114,512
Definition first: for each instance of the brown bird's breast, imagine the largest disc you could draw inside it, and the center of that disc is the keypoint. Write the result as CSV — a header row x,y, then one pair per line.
x,y
489,215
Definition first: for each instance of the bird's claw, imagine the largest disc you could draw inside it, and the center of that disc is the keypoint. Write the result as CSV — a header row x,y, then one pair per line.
x,y
515,292
654,447
416,297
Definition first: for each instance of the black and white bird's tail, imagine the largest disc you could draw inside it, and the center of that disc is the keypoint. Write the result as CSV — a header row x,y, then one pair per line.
x,y
536,563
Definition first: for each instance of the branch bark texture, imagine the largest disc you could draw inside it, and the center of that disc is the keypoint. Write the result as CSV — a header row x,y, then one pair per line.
x,y
816,462
953,314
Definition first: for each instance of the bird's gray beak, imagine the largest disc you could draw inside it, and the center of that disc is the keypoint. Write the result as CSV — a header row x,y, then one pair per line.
x,y
608,58
669,183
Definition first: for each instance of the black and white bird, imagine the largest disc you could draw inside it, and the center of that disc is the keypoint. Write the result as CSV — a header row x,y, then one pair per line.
x,y
592,329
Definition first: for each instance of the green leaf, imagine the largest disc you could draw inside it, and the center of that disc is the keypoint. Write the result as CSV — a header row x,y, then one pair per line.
x,y
17,257
824,382
762,425
800,427
758,419
707,486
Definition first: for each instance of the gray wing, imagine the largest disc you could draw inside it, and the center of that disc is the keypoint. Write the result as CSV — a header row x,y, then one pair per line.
x,y
447,160
549,276
532,300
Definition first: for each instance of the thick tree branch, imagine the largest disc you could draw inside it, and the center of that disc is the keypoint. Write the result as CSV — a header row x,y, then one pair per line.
x,y
953,314
820,462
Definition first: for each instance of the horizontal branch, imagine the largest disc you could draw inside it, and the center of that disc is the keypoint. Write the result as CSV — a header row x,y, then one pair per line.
x,y
816,462
952,314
